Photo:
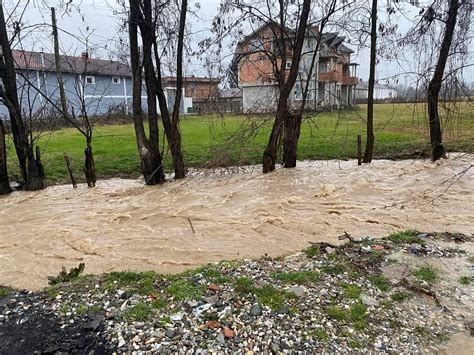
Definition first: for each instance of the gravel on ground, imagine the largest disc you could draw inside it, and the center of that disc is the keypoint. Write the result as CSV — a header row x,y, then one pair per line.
x,y
408,292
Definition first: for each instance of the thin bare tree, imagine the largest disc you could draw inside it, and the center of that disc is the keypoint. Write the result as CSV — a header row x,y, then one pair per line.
x,y
174,138
434,87
269,157
169,119
86,127
148,149
441,36
282,28
30,165
369,144
154,22
294,120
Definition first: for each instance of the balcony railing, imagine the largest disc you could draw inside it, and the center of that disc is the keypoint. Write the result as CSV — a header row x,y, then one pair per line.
x,y
336,76
330,76
349,80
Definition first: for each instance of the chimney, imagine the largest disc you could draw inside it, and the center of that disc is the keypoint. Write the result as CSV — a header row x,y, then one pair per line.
x,y
85,56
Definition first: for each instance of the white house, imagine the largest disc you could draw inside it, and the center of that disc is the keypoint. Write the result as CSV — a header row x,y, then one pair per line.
x,y
381,91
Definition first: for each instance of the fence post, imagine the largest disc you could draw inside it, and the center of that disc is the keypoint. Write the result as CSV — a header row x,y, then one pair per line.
x,y
359,150
69,168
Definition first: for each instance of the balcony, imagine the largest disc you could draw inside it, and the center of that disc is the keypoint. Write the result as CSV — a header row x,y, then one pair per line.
x,y
350,80
330,76
336,76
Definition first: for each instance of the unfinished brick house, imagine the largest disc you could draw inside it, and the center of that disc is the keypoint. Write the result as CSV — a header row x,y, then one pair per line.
x,y
331,83
196,90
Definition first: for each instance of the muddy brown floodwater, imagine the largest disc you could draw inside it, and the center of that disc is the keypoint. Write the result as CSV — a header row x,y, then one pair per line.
x,y
123,225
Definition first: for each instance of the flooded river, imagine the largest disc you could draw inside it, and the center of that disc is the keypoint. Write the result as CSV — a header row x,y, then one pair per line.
x,y
123,225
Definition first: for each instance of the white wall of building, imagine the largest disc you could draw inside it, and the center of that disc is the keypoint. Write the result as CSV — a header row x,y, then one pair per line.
x,y
188,104
384,92
381,92
259,98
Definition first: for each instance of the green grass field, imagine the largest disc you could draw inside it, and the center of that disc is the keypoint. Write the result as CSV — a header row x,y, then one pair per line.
x,y
210,141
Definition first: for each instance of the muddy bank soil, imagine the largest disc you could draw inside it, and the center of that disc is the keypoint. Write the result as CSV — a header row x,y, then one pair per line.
x,y
226,214
408,293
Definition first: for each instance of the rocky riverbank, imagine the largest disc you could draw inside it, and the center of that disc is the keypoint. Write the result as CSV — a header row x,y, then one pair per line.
x,y
408,292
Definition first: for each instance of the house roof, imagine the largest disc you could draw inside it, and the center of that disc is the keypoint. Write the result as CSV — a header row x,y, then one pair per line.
x,y
330,40
362,85
69,64
333,40
312,32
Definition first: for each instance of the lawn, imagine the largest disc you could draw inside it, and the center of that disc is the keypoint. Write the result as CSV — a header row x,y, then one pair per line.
x,y
213,140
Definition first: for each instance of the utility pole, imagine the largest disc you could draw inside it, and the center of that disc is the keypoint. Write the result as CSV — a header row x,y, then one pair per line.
x,y
57,60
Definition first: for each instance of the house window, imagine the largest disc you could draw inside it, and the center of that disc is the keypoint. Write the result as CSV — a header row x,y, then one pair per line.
x,y
298,91
90,79
116,79
288,64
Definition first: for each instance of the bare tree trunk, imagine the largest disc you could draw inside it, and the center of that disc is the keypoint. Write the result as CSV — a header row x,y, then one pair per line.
x,y
434,87
293,121
369,144
35,180
147,31
151,164
89,166
292,129
270,154
165,114
175,142
4,182
148,38
292,135
171,128
31,171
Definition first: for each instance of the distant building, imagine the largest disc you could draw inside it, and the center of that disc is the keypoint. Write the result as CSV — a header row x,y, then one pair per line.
x,y
231,95
196,90
230,100
100,86
381,91
331,83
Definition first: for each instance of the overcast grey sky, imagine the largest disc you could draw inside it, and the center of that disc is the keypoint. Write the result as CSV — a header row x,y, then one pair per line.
x,y
101,20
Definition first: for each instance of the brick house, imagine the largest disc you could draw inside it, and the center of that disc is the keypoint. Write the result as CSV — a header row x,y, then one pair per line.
x,y
197,90
332,81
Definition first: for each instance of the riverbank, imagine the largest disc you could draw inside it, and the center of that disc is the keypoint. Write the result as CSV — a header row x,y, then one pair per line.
x,y
211,141
408,292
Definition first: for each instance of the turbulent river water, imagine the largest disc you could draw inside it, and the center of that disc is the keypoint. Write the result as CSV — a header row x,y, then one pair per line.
x,y
210,216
